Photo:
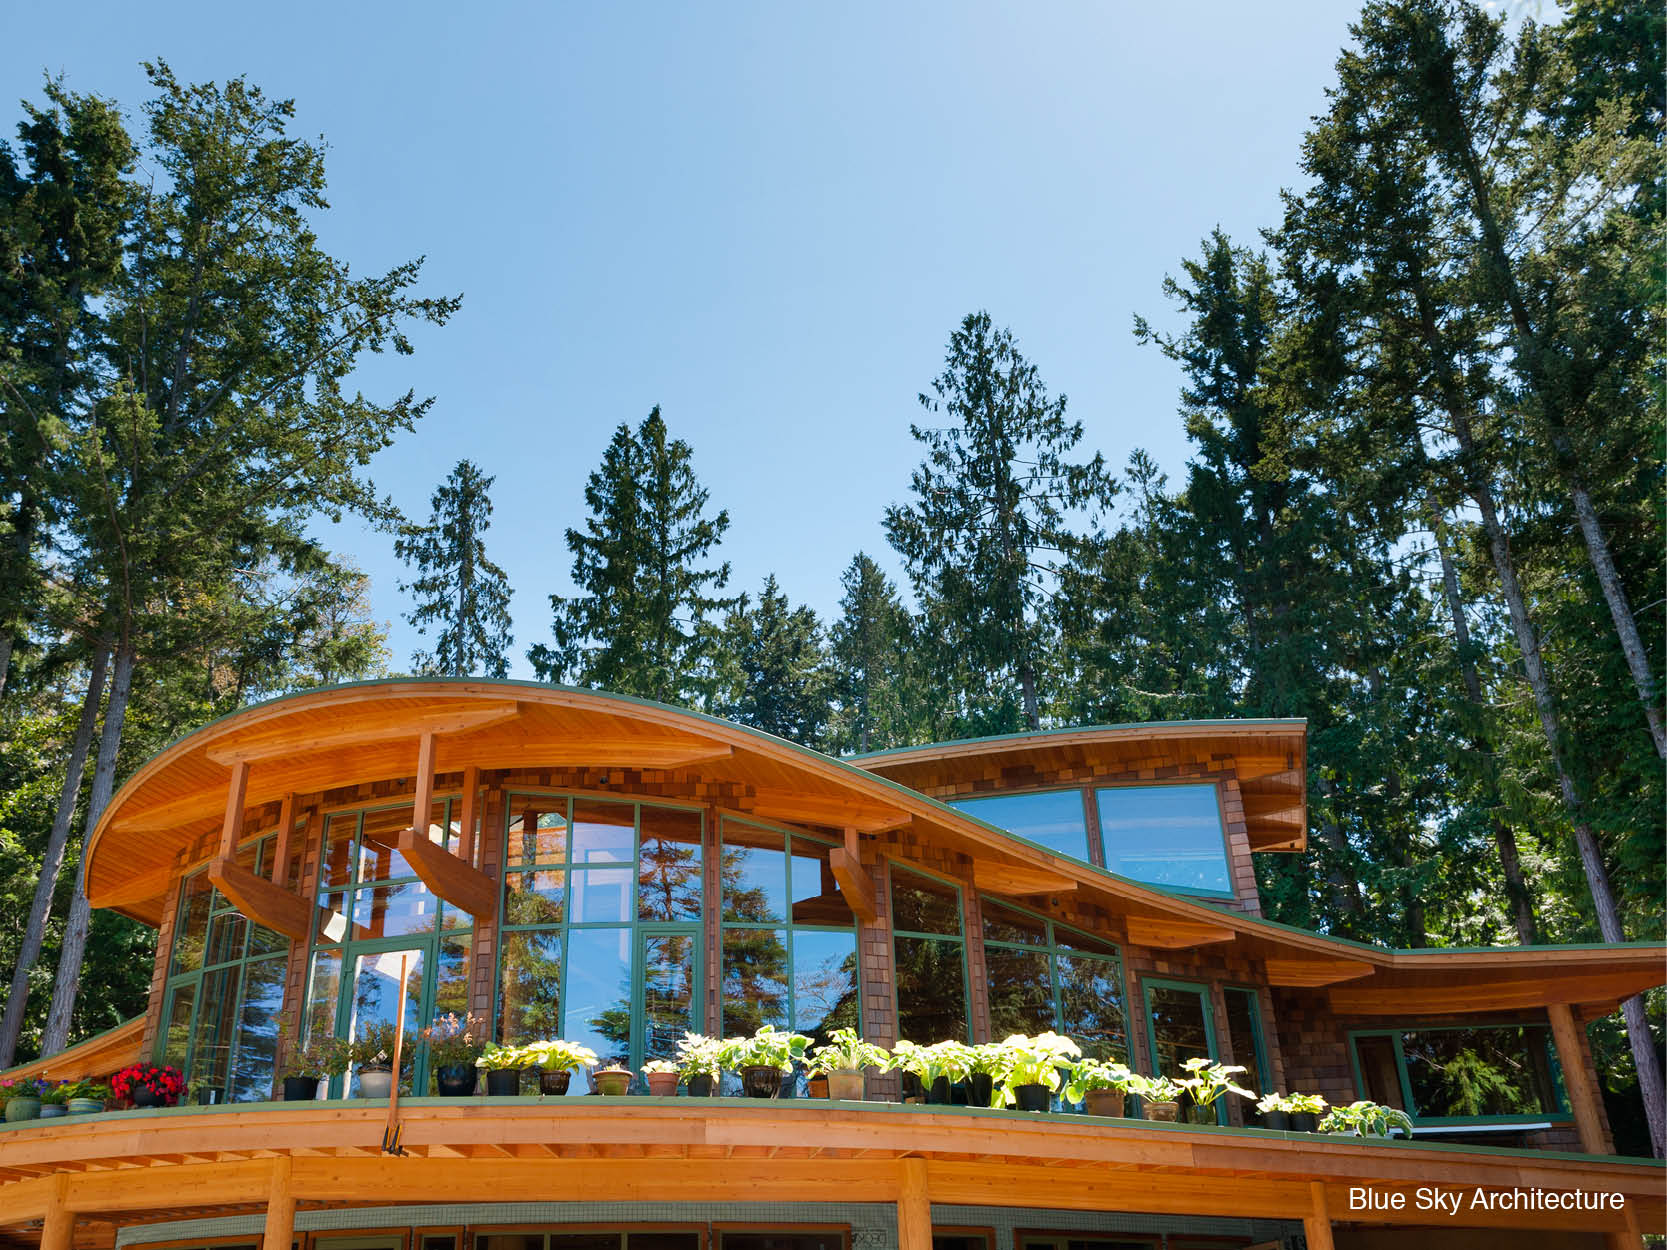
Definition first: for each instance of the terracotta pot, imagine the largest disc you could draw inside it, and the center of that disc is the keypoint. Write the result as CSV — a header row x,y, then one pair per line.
x,y
761,1080
817,1086
555,1083
22,1109
612,1082
1167,1112
503,1082
456,1080
700,1085
662,1084
1032,1097
849,1085
1103,1102
375,1082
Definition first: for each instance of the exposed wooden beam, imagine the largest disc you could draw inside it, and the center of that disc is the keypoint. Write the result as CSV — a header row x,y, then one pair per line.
x,y
829,811
422,799
1312,973
1578,1081
914,1206
1020,879
58,1228
390,726
232,826
1469,994
260,900
141,887
286,834
280,1208
469,815
1316,1224
854,883
452,879
1169,933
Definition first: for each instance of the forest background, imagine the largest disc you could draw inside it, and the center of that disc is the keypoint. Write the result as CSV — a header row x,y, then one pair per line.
x,y
1422,506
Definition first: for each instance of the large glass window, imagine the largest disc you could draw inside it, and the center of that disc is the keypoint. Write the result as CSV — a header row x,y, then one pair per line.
x,y
929,958
1478,1073
1053,818
1169,835
1179,1027
1244,1031
1048,976
789,936
225,990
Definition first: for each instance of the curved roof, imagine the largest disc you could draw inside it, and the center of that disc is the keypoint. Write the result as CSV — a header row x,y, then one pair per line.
x,y
343,735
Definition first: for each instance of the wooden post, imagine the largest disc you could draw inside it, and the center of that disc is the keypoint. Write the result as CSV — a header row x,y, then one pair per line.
x,y
1578,1079
422,805
1316,1225
280,1208
914,1208
286,832
58,1230
466,818
232,828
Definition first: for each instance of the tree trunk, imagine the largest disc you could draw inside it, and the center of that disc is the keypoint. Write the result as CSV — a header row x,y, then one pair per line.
x,y
5,659
17,998
74,948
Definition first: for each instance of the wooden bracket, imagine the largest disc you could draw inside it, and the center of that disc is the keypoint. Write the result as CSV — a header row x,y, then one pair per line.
x,y
1312,973
1169,933
854,883
450,877
260,900
1020,879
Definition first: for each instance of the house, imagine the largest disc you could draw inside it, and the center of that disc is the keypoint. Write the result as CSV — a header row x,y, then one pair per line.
x,y
616,872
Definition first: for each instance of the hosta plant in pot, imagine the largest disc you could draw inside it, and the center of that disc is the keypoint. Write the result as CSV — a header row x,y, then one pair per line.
x,y
148,1085
1028,1069
372,1054
86,1097
844,1061
1367,1119
1206,1083
935,1067
454,1043
701,1061
305,1066
556,1062
502,1065
764,1058
1305,1111
1100,1085
661,1075
1160,1097
981,1079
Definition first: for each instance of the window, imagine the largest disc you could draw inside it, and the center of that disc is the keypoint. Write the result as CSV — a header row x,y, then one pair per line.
x,y
1051,818
789,936
1169,835
929,958
1046,976
225,990
1486,1072
1179,1028
1244,1031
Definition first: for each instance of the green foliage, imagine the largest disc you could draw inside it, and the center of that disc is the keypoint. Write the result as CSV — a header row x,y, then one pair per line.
x,y
869,647
1366,1119
457,588
771,670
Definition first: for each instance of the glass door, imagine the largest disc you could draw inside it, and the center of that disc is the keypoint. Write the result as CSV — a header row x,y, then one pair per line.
x,y
370,997
1179,1027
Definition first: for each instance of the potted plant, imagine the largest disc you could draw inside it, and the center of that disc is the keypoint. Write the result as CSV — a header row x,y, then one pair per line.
x,y
502,1065
22,1099
1305,1111
935,1067
372,1053
54,1096
1028,1069
764,1057
305,1066
981,1080
701,1061
662,1077
1100,1085
1160,1097
454,1043
613,1081
556,1062
1366,1119
148,1085
844,1062
86,1097
1207,1082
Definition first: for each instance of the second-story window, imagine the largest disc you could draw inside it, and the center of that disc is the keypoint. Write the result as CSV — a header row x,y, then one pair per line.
x,y
1168,835
1049,976
929,955
1051,818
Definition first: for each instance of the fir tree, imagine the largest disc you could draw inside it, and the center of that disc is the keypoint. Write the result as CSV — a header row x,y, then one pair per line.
x,y
457,587
868,643
772,667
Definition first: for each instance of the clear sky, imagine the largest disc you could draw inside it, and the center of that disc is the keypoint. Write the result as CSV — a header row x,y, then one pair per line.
x,y
766,218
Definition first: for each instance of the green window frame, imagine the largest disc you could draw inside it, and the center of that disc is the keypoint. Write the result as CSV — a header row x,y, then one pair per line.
x,y
1114,851
1056,945
1263,1067
989,808
213,977
958,939
1562,1114
1211,1046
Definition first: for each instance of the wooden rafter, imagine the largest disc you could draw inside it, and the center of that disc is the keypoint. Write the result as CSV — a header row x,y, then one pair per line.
x,y
854,883
1170,933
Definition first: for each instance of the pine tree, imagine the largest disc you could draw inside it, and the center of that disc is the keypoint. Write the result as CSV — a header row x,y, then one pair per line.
x,y
867,648
772,667
641,622
457,587
990,523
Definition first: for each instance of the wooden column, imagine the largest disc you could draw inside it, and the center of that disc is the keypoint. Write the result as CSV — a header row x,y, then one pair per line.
x,y
1316,1225
280,1208
422,804
1632,1238
1578,1079
914,1207
468,816
232,827
58,1230
281,848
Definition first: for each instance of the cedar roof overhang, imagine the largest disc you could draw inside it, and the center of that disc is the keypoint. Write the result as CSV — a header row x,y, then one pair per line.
x,y
345,735
1269,758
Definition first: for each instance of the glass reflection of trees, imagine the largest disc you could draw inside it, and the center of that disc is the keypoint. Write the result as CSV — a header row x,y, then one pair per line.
x,y
1483,1071
1045,976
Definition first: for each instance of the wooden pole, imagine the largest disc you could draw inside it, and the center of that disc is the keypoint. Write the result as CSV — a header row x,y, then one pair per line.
x,y
422,803
280,848
280,1208
232,828
914,1208
58,1230
390,1135
1578,1079
467,817
1316,1225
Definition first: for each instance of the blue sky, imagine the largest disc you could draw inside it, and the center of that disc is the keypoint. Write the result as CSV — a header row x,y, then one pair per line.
x,y
766,218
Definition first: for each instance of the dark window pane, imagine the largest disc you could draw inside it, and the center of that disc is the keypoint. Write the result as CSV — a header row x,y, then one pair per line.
x,y
584,1241
529,988
669,865
755,1240
537,831
662,1241
824,983
1460,1073
921,905
534,897
597,1007
1004,924
393,911
954,1241
332,917
1021,991
1245,1033
599,895
753,875
216,1015
1071,940
931,990
378,860
1178,1027
603,833
1053,818
1166,835
264,941
816,895
176,1048
191,929
1379,1071
375,1001
257,1033
755,980
510,1241
1091,1005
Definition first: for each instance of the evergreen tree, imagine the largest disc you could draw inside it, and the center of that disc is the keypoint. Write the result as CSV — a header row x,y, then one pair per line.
x,y
867,647
457,587
641,622
772,669
989,524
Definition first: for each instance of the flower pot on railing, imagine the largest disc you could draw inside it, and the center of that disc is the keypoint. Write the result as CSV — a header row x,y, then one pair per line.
x,y
52,1110
1280,1121
980,1089
456,1080
662,1084
22,1109
613,1082
1032,1097
700,1085
817,1086
1166,1112
1103,1102
554,1083
143,1096
503,1082
761,1080
300,1088
1305,1122
375,1082
847,1086
85,1106
938,1092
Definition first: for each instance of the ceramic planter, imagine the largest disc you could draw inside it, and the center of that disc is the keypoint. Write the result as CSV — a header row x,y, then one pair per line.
x,y
503,1082
22,1109
300,1088
456,1080
612,1082
700,1085
554,1083
52,1110
1103,1102
1167,1112
1032,1097
375,1082
848,1085
662,1084
144,1096
761,1080
85,1106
